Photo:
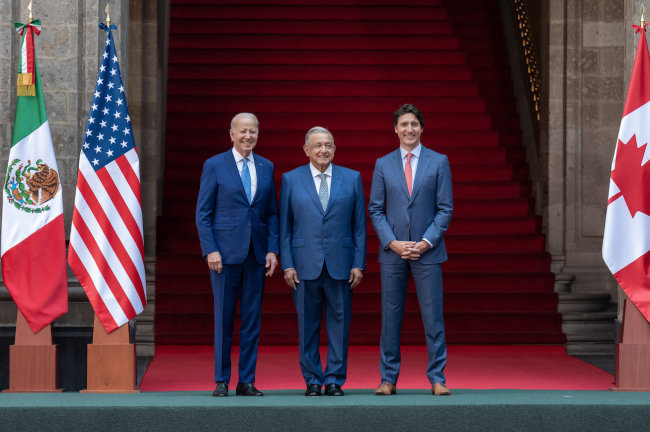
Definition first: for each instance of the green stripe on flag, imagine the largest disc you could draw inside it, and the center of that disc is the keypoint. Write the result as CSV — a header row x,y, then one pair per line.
x,y
30,111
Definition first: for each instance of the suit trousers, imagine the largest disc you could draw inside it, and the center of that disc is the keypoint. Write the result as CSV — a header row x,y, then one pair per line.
x,y
309,298
428,284
244,281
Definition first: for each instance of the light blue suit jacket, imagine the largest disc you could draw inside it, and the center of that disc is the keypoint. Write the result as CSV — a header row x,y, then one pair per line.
x,y
311,236
426,214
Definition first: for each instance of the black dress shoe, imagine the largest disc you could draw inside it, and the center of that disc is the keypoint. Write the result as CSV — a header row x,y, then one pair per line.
x,y
313,390
333,390
221,390
247,389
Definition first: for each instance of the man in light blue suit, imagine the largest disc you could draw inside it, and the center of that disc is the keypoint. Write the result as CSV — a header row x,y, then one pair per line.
x,y
237,220
323,255
410,207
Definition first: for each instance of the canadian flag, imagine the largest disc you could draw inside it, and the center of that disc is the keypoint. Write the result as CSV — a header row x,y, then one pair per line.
x,y
626,243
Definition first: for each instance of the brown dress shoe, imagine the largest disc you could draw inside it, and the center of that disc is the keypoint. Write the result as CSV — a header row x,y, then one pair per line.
x,y
386,389
440,389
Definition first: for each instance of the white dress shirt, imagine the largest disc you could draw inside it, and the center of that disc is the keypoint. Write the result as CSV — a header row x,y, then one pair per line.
x,y
239,160
316,175
414,160
414,166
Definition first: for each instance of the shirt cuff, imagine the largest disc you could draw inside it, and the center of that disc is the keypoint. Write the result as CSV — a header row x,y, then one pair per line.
x,y
290,268
427,241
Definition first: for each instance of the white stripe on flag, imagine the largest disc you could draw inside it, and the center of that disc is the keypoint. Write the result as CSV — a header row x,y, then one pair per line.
x,y
107,250
110,302
23,53
127,193
134,161
636,123
113,216
17,227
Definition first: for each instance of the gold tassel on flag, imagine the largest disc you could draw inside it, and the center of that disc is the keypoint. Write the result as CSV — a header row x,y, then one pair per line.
x,y
25,86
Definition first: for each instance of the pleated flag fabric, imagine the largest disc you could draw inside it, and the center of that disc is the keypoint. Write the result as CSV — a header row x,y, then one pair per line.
x,y
33,233
106,241
626,243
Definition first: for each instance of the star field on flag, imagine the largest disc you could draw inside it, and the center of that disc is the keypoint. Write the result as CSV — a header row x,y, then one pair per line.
x,y
108,131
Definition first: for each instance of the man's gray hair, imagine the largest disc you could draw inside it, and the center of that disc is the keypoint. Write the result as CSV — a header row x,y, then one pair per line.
x,y
244,115
317,129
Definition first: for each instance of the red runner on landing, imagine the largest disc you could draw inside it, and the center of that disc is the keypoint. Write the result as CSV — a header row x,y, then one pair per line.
x,y
191,368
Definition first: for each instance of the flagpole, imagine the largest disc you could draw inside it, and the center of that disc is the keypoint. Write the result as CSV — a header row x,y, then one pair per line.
x,y
111,356
34,357
633,349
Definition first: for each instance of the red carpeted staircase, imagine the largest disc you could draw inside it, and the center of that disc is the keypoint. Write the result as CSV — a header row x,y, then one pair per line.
x,y
347,65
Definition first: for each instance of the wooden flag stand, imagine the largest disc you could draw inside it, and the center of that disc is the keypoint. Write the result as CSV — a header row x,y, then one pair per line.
x,y
111,361
33,360
633,353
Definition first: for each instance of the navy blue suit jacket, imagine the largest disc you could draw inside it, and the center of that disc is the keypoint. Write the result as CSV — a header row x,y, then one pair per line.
x,y
426,214
224,217
310,236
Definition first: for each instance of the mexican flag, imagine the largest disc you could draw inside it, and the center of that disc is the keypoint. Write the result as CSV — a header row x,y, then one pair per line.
x,y
33,236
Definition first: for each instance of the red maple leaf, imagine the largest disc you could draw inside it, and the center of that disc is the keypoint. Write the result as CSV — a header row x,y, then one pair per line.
x,y
632,178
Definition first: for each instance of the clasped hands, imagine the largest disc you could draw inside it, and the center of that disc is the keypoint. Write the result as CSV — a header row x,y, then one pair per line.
x,y
409,249
291,277
215,263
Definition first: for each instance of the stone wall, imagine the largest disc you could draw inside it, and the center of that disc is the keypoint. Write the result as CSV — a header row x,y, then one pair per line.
x,y
68,51
584,50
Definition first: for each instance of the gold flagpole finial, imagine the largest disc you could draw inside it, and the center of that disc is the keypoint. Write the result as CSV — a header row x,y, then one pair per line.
x,y
31,17
642,17
108,15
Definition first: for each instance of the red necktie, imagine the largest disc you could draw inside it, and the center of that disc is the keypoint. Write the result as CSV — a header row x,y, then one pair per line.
x,y
408,173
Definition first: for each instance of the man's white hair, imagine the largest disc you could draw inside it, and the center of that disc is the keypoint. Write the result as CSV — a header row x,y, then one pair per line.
x,y
317,129
244,115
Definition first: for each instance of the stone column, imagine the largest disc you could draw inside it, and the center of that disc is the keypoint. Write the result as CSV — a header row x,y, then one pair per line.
x,y
586,50
68,52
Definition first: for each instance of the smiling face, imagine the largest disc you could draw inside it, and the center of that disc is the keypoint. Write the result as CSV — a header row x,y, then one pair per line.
x,y
320,150
408,130
244,135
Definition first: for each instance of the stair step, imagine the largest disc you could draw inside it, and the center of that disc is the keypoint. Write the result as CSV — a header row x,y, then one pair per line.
x,y
371,301
569,303
246,27
577,349
470,262
470,42
362,338
334,57
281,89
452,281
287,322
338,73
320,104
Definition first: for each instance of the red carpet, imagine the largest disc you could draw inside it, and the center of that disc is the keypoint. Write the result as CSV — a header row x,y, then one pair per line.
x,y
347,65
180,368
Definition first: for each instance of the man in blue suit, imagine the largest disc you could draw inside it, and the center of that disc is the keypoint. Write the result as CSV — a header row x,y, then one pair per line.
x,y
323,255
237,220
410,207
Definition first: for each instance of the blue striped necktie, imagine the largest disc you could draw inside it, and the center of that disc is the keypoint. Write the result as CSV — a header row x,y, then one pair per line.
x,y
246,179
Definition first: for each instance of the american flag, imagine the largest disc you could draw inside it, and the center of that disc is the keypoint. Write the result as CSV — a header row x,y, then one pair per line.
x,y
106,241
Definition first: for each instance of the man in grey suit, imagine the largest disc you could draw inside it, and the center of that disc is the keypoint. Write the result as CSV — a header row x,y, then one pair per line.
x,y
410,207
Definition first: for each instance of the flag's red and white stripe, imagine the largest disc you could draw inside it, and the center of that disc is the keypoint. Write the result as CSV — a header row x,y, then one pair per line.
x,y
106,241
